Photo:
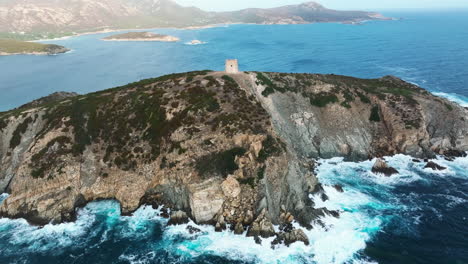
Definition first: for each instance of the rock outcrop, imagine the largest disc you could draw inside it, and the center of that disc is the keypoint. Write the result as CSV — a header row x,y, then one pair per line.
x,y
381,166
228,150
178,218
434,166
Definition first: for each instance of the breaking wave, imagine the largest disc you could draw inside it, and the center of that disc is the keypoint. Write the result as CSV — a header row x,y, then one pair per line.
x,y
459,99
374,210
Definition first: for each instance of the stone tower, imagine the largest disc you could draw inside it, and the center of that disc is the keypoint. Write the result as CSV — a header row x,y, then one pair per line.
x,y
232,66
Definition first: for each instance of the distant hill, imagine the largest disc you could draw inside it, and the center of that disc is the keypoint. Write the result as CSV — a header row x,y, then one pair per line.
x,y
39,18
12,47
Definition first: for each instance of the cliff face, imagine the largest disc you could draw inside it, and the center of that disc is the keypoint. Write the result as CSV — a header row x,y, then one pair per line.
x,y
226,149
329,115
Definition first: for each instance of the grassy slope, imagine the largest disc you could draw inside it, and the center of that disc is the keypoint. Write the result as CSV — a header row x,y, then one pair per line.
x,y
15,46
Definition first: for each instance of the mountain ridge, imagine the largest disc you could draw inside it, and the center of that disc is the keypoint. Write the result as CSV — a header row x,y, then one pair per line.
x,y
79,16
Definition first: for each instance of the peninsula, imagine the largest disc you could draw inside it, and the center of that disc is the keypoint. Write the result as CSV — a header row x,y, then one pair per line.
x,y
15,47
141,36
228,149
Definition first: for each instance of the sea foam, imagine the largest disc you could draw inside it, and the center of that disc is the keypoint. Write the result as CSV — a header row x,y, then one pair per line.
x,y
459,99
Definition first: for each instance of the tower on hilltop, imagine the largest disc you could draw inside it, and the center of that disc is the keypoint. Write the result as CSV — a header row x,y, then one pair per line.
x,y
232,66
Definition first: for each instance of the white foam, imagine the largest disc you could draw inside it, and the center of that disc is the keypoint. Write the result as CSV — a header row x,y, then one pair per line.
x,y
3,196
459,99
194,43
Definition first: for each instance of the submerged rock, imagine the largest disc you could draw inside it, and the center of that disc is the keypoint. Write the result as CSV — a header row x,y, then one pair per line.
x,y
338,187
450,155
193,230
381,166
434,166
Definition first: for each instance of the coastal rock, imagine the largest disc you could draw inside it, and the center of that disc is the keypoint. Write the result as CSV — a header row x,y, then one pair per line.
x,y
434,166
338,187
193,230
381,166
452,154
239,229
262,226
178,218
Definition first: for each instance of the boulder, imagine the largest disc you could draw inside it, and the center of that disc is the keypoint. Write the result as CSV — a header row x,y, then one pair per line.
x,y
178,218
434,166
381,167
254,230
262,226
231,187
239,229
288,238
220,224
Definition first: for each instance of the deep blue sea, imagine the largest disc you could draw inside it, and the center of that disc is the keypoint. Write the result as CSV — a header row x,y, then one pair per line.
x,y
417,216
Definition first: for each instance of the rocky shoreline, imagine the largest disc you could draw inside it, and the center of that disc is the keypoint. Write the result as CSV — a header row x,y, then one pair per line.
x,y
231,150
141,36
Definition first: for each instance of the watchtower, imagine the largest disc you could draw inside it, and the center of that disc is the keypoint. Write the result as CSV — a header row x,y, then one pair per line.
x,y
232,66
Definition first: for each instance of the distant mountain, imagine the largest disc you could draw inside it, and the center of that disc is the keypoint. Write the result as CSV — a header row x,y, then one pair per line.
x,y
67,16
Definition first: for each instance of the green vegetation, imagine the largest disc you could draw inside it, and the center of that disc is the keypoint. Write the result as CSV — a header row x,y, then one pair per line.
x,y
19,131
9,46
33,36
3,124
322,99
270,147
261,173
200,98
221,163
375,116
248,181
49,157
270,87
128,125
448,106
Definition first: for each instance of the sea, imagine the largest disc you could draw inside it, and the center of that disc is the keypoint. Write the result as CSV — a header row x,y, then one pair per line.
x,y
416,216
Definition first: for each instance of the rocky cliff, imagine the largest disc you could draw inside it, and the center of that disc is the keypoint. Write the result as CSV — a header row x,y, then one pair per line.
x,y
226,149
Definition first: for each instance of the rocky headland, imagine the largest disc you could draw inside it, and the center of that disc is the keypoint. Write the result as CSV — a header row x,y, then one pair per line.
x,y
15,47
232,150
141,36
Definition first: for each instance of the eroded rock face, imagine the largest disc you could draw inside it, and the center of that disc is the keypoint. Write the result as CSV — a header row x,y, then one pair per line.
x,y
329,115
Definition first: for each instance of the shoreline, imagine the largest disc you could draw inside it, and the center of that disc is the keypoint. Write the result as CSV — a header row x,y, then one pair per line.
x,y
206,27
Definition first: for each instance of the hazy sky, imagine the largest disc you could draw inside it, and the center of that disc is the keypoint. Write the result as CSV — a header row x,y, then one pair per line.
x,y
336,4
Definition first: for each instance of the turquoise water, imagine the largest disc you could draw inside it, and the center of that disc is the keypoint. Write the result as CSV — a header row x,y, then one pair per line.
x,y
417,216
428,48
